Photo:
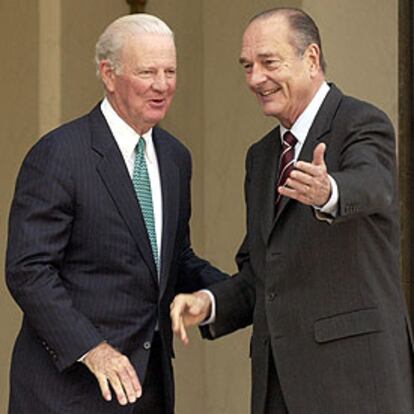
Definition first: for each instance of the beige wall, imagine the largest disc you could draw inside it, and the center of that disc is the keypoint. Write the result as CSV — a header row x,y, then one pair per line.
x,y
48,77
18,109
361,45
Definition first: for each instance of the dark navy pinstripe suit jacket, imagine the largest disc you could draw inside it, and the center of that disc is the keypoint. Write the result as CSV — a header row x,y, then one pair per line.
x,y
79,264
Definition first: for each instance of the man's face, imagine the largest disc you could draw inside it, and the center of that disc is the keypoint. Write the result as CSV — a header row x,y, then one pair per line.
x,y
142,91
277,74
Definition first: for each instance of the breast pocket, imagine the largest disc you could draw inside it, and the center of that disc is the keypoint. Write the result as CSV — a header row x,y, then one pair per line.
x,y
358,322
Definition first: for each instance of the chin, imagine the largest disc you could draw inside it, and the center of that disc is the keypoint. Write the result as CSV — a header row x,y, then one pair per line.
x,y
270,112
155,118
270,109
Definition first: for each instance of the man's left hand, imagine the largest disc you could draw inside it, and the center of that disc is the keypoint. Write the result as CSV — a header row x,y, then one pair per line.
x,y
309,183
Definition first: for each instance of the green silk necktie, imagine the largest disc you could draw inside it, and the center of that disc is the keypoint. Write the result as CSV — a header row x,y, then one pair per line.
x,y
142,186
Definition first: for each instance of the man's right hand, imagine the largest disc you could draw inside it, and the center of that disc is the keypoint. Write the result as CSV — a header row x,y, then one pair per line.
x,y
189,310
111,367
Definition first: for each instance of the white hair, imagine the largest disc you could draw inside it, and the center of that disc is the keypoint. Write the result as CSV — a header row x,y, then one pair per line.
x,y
111,41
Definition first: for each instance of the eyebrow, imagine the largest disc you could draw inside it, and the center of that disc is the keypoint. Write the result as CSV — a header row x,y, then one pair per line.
x,y
265,55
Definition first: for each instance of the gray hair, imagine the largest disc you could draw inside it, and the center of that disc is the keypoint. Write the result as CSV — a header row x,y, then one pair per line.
x,y
304,29
111,41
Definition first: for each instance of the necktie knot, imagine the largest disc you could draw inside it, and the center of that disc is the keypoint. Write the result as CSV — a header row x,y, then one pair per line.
x,y
289,139
286,161
140,147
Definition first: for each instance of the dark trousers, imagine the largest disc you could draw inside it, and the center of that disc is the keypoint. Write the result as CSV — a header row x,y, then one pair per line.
x,y
275,403
153,396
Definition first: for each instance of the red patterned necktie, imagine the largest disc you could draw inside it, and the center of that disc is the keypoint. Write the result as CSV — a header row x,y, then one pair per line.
x,y
286,161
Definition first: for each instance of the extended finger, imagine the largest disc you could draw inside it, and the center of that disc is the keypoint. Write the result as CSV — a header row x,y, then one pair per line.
x,y
298,186
104,386
178,307
182,331
295,195
116,385
309,168
301,177
127,382
175,318
127,386
134,379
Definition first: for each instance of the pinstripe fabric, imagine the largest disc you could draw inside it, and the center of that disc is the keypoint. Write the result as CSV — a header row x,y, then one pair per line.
x,y
80,265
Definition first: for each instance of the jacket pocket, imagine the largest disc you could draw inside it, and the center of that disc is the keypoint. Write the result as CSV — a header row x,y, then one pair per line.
x,y
359,322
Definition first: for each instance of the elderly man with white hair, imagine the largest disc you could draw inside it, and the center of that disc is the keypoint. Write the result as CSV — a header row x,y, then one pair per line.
x,y
99,241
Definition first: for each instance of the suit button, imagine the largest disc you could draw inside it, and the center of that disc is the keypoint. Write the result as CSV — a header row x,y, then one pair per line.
x,y
147,345
271,296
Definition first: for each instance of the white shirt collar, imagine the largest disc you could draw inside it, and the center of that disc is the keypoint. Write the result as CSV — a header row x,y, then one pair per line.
x,y
125,136
303,124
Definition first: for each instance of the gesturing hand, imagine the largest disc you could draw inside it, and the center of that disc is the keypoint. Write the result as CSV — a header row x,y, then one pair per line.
x,y
189,310
309,183
111,367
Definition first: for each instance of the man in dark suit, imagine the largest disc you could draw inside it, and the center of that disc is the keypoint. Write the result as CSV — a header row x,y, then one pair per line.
x,y
318,268
99,241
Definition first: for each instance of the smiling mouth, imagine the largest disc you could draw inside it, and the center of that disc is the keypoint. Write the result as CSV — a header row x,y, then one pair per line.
x,y
268,92
157,103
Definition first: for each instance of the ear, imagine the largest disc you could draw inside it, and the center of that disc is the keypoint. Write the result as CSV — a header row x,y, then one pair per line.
x,y
107,74
313,54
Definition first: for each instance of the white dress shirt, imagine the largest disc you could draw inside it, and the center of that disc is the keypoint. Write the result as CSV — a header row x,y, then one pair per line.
x,y
127,140
300,130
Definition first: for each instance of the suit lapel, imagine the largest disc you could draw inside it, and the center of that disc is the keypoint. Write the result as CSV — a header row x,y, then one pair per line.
x,y
268,165
319,129
114,174
170,186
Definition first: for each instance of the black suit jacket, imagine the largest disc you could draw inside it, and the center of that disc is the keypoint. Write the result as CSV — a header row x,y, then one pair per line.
x,y
325,299
79,264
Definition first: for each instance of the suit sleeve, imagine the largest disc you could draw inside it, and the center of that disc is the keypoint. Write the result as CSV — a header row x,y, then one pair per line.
x,y
40,223
366,177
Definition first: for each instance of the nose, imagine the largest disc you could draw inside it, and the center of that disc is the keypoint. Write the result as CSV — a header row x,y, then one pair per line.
x,y
256,76
160,83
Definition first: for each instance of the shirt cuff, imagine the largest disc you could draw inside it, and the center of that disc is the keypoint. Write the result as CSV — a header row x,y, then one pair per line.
x,y
212,317
331,207
82,358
